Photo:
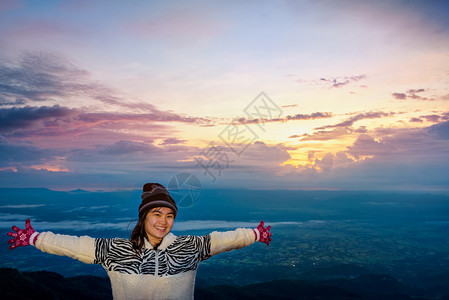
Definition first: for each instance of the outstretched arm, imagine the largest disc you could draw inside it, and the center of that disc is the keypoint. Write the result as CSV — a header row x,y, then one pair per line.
x,y
81,248
239,238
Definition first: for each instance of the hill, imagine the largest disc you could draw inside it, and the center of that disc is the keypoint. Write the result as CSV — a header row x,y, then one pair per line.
x,y
50,285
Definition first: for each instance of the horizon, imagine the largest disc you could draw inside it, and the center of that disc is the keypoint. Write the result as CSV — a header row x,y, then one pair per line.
x,y
405,191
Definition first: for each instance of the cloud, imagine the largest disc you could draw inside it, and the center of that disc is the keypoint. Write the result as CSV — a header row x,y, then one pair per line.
x,y
16,155
441,130
326,163
21,206
410,94
297,117
414,91
4,102
416,120
326,135
432,118
342,81
365,145
399,96
39,77
113,154
45,77
157,116
24,117
313,116
310,155
126,147
172,141
362,116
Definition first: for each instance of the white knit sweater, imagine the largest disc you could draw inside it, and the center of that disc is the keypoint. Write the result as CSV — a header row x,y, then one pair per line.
x,y
167,272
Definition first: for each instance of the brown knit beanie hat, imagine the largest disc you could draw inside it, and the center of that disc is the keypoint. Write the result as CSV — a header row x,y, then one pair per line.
x,y
156,195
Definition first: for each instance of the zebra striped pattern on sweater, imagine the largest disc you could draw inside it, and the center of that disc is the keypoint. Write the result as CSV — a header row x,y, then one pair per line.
x,y
183,255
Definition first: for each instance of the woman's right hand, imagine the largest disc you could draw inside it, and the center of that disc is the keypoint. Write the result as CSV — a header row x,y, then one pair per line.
x,y
23,237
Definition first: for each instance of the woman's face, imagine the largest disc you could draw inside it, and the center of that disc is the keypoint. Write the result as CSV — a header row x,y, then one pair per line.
x,y
158,224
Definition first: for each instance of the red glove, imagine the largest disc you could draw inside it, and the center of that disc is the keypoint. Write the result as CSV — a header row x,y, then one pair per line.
x,y
23,237
263,234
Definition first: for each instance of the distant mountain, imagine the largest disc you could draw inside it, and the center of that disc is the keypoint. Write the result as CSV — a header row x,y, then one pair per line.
x,y
79,191
50,285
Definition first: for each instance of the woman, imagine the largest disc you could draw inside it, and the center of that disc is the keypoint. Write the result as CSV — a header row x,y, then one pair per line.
x,y
153,263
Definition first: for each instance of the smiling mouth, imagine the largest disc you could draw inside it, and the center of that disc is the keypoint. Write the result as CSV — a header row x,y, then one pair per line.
x,y
161,228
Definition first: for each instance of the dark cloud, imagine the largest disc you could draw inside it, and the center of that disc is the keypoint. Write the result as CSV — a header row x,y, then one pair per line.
x,y
342,81
23,117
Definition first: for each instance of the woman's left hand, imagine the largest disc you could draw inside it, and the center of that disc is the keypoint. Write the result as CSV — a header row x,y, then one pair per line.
x,y
263,234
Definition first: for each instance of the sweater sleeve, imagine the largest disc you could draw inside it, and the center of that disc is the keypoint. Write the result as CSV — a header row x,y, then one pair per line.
x,y
80,248
226,241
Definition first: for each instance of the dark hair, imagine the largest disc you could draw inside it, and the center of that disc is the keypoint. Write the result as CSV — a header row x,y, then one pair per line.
x,y
138,235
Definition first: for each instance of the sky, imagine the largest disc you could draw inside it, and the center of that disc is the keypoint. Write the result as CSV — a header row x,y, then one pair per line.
x,y
315,95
